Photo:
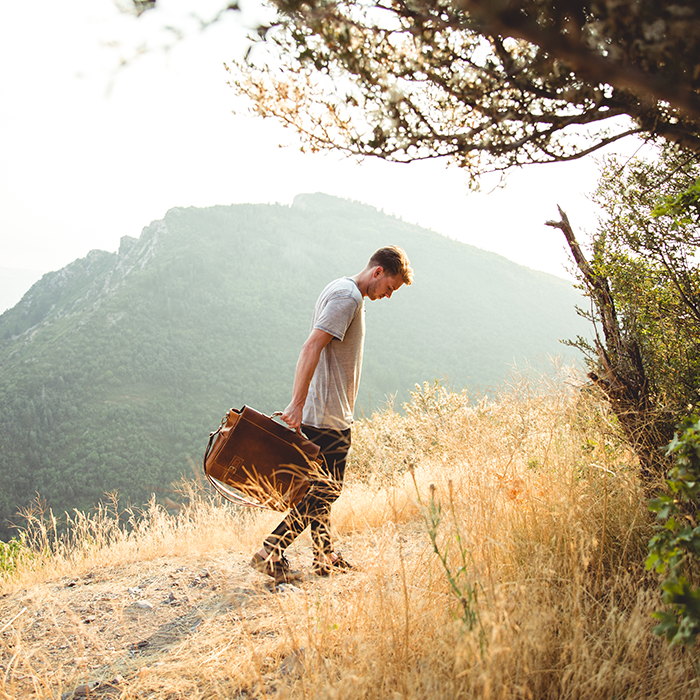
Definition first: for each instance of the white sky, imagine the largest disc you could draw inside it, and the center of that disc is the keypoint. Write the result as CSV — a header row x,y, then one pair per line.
x,y
90,153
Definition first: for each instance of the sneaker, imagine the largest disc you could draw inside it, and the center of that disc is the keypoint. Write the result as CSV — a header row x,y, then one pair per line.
x,y
279,570
339,565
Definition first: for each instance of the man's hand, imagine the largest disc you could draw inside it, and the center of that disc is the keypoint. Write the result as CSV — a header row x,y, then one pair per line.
x,y
292,416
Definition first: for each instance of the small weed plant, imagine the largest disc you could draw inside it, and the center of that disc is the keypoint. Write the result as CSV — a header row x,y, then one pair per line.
x,y
13,554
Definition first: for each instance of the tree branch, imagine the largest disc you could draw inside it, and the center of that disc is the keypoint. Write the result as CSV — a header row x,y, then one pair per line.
x,y
589,65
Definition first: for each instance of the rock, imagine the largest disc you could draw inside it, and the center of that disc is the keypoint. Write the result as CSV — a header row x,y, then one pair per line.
x,y
195,624
82,691
293,664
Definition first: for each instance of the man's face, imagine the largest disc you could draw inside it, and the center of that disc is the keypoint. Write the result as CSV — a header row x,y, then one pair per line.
x,y
383,285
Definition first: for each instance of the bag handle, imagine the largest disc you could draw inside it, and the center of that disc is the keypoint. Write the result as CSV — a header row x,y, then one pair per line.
x,y
277,414
232,496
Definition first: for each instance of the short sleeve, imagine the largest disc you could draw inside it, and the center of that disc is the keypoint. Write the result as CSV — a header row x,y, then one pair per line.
x,y
336,315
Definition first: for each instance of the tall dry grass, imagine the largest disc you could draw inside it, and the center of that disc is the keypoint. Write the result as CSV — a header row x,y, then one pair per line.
x,y
501,541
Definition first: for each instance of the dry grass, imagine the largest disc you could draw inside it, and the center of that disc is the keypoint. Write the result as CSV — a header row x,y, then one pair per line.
x,y
501,545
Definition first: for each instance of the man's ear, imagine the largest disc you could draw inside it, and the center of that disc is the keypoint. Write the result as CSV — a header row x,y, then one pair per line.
x,y
378,271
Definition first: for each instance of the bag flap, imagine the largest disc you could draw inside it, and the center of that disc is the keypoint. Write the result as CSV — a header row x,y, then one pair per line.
x,y
280,431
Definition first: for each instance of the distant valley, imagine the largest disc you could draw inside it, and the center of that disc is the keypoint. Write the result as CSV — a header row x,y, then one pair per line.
x,y
114,370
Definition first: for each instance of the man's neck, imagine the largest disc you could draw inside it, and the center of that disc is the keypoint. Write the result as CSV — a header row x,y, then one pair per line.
x,y
362,280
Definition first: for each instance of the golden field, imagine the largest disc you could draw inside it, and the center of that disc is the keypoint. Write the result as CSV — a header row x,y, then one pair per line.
x,y
499,542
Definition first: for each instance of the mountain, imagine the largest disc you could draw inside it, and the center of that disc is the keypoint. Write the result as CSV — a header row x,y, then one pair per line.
x,y
114,370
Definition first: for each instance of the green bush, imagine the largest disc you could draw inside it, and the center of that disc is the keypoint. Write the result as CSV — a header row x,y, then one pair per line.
x,y
674,552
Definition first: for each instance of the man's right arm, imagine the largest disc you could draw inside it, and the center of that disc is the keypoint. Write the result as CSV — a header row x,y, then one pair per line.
x,y
306,366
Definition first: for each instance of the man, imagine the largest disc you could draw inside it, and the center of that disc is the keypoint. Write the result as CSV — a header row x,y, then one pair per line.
x,y
326,380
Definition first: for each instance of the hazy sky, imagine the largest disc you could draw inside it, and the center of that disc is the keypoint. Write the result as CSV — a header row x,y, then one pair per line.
x,y
91,152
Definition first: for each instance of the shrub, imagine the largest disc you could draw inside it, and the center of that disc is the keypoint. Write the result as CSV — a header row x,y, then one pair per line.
x,y
674,551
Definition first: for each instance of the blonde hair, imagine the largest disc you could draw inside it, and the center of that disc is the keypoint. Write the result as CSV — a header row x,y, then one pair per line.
x,y
394,261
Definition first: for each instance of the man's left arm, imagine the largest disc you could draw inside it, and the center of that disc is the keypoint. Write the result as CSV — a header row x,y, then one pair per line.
x,y
306,366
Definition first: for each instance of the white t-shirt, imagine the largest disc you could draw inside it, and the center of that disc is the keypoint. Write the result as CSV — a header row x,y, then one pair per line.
x,y
340,311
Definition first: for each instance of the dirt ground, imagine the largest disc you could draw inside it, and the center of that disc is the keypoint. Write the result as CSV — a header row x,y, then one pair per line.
x,y
98,634
86,636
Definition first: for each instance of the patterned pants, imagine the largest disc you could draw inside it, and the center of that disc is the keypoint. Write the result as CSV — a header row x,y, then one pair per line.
x,y
314,509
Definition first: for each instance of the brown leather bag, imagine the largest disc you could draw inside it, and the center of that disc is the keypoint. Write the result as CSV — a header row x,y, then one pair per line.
x,y
253,460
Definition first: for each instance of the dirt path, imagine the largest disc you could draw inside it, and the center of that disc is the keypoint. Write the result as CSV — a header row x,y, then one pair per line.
x,y
88,635
134,630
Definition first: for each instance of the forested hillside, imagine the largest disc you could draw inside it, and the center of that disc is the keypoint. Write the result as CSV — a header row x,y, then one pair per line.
x,y
115,369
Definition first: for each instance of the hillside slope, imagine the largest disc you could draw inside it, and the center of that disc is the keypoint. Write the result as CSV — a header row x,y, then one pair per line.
x,y
114,369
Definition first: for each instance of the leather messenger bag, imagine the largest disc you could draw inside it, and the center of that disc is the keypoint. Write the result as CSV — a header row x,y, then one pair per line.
x,y
253,460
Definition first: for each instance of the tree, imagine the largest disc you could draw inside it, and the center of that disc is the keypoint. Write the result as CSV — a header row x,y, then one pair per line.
x,y
488,85
647,47
644,285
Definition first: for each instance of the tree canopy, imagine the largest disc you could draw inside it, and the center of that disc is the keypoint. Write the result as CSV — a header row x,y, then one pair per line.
x,y
488,85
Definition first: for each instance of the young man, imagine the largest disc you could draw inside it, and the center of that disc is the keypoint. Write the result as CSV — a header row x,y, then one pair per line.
x,y
326,380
